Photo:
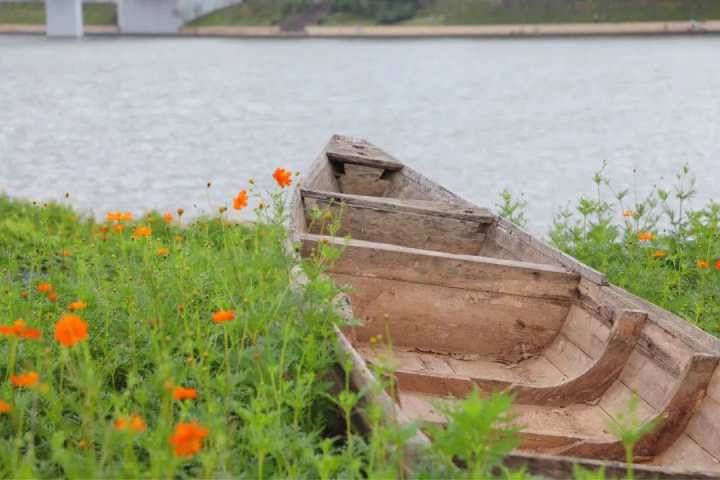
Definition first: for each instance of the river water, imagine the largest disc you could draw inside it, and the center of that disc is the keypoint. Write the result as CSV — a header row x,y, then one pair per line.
x,y
140,123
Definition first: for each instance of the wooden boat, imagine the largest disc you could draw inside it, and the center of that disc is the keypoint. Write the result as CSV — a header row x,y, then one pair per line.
x,y
470,300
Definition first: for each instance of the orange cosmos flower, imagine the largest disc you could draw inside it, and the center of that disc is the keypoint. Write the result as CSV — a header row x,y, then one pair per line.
x,y
703,264
646,236
25,380
717,265
659,254
44,287
52,296
134,424
5,407
628,213
65,253
241,200
188,438
223,316
282,177
79,305
162,251
118,228
182,393
19,330
103,229
119,217
142,232
70,329
168,217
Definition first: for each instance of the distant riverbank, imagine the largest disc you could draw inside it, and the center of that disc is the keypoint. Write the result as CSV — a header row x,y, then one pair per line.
x,y
419,31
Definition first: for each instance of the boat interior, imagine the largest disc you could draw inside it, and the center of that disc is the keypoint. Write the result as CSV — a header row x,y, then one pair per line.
x,y
453,298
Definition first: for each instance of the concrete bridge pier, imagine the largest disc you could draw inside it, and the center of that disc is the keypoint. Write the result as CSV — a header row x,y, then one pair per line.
x,y
64,18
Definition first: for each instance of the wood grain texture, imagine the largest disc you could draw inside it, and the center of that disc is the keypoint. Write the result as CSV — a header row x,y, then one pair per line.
x,y
444,375
597,378
674,416
417,230
392,262
356,151
451,320
420,207
513,238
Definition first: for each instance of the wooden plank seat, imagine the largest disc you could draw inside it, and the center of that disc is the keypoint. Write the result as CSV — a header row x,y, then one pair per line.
x,y
582,429
425,224
445,302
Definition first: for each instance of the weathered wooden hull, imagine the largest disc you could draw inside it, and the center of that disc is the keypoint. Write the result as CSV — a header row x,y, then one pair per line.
x,y
470,301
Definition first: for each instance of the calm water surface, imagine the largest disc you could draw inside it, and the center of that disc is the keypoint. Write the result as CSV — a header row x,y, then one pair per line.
x,y
140,123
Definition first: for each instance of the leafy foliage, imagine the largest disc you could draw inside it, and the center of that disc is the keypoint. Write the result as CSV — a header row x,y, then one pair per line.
x,y
655,247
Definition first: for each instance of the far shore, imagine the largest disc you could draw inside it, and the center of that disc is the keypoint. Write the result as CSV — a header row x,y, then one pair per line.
x,y
422,31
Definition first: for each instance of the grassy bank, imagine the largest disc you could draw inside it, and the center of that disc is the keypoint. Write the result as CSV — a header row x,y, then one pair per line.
x,y
155,348
34,13
467,12
489,12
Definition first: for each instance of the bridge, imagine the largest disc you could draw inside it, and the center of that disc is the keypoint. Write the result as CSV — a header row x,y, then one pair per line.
x,y
65,18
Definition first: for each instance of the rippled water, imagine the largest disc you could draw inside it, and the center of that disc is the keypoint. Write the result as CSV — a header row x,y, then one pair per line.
x,y
140,123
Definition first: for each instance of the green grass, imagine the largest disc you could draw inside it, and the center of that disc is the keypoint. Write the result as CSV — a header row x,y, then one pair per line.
x,y
34,13
250,13
655,247
471,12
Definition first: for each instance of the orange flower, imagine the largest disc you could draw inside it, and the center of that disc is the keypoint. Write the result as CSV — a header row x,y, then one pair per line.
x,y
103,229
168,217
5,407
717,265
52,296
65,253
188,438
659,254
223,316
282,177
18,329
628,213
44,287
703,264
119,217
25,380
182,393
180,212
79,305
135,424
241,200
646,236
162,252
70,329
118,228
141,232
